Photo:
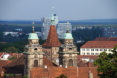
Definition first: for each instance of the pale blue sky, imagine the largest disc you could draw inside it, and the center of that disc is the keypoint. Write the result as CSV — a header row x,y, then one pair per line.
x,y
65,9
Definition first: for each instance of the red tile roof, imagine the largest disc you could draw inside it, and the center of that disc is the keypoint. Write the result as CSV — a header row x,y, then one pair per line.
x,y
4,62
70,72
99,44
52,39
87,56
20,61
106,39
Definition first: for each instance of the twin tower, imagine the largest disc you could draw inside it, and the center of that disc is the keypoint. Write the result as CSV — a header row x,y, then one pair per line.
x,y
61,54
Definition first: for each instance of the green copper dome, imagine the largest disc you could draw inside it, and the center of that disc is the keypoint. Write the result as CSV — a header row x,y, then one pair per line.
x,y
67,36
33,36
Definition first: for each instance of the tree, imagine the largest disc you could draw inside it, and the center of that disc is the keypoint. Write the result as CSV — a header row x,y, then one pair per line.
x,y
107,64
12,58
62,76
11,49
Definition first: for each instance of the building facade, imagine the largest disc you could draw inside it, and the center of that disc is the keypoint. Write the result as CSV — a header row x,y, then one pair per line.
x,y
96,47
109,32
60,27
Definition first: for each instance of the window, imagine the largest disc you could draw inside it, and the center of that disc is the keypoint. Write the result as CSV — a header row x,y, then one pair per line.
x,y
83,53
92,53
70,48
105,49
35,49
101,49
96,49
88,53
96,53
92,49
87,49
83,49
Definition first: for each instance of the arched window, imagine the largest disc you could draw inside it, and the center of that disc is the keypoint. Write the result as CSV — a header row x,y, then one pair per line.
x,y
35,49
70,62
35,63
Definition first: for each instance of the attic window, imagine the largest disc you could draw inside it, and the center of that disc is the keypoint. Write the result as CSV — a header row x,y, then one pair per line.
x,y
35,49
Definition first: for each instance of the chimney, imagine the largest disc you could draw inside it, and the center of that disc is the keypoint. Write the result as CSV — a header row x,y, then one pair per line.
x,y
89,64
2,73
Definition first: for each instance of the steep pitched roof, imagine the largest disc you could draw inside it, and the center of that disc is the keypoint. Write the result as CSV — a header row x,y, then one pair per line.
x,y
106,39
52,39
4,62
99,44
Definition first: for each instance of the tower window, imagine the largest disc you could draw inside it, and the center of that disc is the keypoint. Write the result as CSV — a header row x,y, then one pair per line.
x,y
35,49
35,63
70,48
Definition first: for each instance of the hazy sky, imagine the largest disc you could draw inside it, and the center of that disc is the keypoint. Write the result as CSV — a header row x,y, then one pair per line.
x,y
65,9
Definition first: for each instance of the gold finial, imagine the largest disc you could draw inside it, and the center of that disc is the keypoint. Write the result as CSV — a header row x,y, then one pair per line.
x,y
67,27
67,30
33,27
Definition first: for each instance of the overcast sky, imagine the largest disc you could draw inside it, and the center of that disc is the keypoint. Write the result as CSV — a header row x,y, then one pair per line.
x,y
65,9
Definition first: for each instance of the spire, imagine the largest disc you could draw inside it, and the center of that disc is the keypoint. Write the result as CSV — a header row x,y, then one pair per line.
x,y
52,18
33,27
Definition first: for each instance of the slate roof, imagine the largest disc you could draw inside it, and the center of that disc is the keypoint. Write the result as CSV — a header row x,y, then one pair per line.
x,y
99,44
52,39
106,39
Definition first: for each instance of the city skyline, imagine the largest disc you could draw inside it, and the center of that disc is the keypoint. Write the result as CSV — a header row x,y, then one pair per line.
x,y
65,10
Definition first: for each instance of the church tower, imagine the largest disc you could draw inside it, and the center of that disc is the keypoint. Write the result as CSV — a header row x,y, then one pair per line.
x,y
52,44
33,55
68,51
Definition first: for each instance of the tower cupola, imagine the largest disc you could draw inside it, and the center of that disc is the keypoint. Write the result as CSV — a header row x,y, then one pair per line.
x,y
33,35
67,35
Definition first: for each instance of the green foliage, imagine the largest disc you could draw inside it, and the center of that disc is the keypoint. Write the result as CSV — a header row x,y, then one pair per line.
x,y
11,75
25,76
87,33
11,49
107,64
12,58
62,76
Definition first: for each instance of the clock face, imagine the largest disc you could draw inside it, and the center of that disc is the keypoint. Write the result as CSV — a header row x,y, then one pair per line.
x,y
57,60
